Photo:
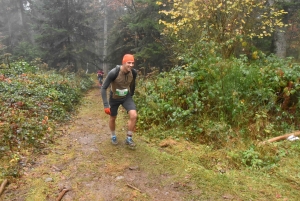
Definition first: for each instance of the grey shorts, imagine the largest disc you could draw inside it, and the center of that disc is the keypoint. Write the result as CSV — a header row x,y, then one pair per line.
x,y
127,102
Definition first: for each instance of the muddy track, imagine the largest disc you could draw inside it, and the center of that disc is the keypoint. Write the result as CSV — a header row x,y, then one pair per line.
x,y
84,165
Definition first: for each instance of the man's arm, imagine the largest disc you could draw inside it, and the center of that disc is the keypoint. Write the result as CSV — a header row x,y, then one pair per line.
x,y
109,78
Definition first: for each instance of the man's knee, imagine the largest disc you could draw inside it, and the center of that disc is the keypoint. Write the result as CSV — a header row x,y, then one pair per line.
x,y
132,114
113,118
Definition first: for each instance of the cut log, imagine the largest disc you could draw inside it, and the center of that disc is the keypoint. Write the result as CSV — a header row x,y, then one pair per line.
x,y
283,137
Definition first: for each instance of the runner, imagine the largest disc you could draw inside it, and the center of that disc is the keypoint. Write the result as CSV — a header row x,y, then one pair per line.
x,y
122,80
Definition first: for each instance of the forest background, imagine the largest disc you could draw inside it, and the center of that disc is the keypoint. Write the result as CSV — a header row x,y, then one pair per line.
x,y
224,74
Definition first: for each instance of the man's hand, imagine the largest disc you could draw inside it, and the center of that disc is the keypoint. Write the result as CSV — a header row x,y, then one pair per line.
x,y
107,111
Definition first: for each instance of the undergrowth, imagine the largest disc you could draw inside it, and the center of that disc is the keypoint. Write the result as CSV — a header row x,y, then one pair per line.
x,y
221,102
32,104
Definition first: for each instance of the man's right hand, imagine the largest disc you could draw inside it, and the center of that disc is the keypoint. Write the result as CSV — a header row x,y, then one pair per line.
x,y
107,111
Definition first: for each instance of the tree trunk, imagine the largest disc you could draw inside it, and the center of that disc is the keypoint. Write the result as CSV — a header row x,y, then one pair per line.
x,y
280,40
105,38
21,12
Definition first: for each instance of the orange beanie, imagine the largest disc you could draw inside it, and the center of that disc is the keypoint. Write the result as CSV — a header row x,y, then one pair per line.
x,y
127,57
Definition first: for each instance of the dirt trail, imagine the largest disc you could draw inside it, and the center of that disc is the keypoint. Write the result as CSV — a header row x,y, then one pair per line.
x,y
83,161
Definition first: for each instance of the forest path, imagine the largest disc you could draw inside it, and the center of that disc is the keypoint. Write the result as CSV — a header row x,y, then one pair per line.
x,y
85,163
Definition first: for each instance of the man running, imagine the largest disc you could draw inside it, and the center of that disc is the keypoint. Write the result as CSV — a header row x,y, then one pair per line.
x,y
122,80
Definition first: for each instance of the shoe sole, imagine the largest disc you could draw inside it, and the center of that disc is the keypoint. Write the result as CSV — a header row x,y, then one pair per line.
x,y
129,146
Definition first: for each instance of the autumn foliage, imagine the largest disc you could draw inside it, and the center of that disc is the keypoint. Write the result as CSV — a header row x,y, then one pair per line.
x,y
226,23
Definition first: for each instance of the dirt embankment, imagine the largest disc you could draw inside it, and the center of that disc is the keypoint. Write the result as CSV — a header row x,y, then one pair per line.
x,y
83,165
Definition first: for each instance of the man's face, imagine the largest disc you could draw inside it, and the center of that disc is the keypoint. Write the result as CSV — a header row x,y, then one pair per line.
x,y
128,66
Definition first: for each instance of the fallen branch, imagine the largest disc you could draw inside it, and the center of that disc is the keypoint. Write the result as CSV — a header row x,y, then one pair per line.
x,y
61,194
282,137
3,186
135,188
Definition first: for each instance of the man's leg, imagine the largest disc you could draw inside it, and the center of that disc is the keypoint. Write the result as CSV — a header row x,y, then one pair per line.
x,y
114,105
131,124
112,127
132,120
112,123
129,105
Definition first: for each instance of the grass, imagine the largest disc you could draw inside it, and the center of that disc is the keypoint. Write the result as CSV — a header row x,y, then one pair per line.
x,y
213,174
218,174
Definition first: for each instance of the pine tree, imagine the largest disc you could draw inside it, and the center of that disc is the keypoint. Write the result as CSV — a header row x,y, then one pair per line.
x,y
138,32
13,24
66,33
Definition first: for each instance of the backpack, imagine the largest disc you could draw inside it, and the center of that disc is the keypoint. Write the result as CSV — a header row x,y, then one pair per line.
x,y
134,73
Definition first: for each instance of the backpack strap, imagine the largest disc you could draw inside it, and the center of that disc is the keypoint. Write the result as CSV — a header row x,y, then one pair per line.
x,y
117,72
134,73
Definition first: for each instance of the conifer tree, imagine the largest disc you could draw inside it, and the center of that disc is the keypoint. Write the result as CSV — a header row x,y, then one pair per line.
x,y
13,24
138,32
66,32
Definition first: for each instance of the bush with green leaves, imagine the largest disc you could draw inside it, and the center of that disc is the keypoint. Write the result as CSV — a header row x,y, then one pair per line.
x,y
33,101
257,98
260,157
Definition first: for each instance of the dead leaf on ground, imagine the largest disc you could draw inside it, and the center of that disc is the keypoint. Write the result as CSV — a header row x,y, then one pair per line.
x,y
167,143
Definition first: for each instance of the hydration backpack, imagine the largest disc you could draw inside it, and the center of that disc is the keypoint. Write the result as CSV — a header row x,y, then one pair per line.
x,y
134,73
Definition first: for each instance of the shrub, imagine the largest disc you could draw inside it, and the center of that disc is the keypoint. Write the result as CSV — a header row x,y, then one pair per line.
x,y
255,97
32,101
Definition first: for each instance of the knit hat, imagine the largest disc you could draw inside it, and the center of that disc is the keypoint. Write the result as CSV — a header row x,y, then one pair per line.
x,y
127,57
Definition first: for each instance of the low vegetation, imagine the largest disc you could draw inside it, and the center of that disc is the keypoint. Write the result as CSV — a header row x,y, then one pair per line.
x,y
33,101
224,110
230,106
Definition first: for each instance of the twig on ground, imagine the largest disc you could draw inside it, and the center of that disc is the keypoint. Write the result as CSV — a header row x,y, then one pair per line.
x,y
61,194
133,187
3,186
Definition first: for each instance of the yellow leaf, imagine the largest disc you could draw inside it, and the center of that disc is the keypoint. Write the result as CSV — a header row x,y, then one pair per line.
x,y
191,12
